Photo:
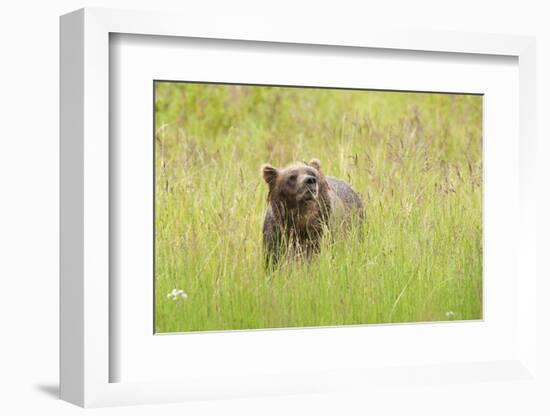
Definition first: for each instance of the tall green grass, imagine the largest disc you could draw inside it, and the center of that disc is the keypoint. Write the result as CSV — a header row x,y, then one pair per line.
x,y
415,158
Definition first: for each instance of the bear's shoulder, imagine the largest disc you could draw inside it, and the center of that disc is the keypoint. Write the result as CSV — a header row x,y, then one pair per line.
x,y
344,192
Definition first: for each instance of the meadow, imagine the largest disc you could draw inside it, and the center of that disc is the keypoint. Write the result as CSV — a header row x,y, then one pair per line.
x,y
415,158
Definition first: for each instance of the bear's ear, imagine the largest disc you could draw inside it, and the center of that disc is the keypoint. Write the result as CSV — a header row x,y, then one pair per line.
x,y
269,173
314,163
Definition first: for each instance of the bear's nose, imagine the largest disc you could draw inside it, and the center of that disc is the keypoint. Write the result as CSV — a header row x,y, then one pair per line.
x,y
310,180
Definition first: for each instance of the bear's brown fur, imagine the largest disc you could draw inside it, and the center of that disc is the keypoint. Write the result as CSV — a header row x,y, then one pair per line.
x,y
302,201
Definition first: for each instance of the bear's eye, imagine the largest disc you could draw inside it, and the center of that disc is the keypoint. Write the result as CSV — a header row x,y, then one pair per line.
x,y
292,178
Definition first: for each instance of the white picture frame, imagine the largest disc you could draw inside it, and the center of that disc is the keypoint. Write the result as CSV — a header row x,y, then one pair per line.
x,y
85,220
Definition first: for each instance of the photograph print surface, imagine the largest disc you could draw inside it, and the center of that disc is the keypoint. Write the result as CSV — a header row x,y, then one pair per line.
x,y
279,207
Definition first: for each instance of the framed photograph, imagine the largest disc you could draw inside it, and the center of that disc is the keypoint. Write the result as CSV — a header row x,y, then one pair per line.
x,y
271,212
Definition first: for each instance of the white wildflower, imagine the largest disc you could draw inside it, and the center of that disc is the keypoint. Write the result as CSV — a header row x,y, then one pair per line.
x,y
176,294
450,314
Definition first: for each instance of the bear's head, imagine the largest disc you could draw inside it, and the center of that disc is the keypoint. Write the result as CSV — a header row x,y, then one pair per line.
x,y
300,187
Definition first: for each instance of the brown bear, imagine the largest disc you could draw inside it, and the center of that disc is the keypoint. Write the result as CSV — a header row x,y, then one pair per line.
x,y
302,202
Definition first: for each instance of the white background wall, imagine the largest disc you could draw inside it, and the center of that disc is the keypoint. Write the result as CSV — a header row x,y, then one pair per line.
x,y
29,56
